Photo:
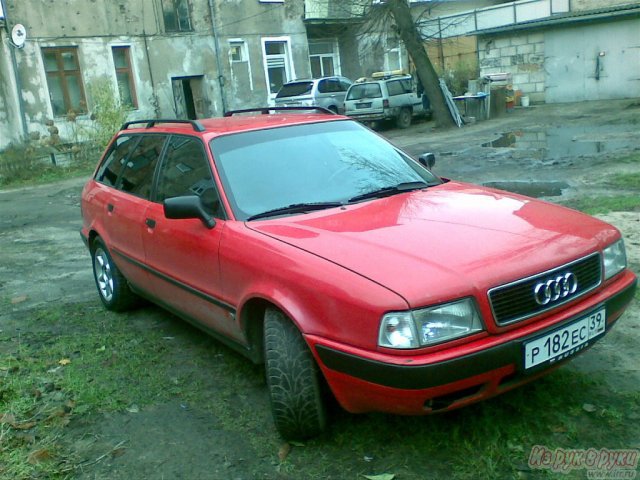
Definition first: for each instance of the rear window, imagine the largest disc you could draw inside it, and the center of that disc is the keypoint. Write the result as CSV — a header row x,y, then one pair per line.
x,y
364,90
295,89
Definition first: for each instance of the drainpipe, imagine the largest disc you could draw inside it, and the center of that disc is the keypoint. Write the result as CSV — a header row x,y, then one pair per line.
x,y
16,75
216,44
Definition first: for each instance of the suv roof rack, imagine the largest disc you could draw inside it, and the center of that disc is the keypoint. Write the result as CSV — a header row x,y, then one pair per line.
x,y
266,110
197,126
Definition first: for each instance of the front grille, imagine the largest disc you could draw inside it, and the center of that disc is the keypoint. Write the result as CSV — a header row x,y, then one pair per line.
x,y
516,301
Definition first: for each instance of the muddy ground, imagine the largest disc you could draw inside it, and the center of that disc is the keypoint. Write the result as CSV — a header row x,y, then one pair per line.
x,y
552,151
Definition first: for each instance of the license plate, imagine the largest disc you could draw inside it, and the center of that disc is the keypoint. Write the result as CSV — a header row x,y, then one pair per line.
x,y
566,341
363,105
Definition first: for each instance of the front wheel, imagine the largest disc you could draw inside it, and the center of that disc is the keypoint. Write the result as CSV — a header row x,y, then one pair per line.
x,y
404,118
293,379
112,287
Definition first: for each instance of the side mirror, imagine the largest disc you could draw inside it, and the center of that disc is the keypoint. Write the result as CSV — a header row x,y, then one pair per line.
x,y
189,206
428,160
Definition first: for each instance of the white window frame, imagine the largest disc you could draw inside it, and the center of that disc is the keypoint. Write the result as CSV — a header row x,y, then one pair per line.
x,y
290,72
335,55
243,49
245,57
388,50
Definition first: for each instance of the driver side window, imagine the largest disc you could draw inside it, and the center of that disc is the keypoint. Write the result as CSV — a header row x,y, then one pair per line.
x,y
185,171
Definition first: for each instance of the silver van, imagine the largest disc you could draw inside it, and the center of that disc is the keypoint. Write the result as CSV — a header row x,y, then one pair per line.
x,y
391,97
327,92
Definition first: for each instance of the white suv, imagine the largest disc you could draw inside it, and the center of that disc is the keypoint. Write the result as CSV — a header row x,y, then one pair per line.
x,y
389,98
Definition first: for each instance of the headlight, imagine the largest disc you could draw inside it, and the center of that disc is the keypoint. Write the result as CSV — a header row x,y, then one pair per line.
x,y
428,326
615,259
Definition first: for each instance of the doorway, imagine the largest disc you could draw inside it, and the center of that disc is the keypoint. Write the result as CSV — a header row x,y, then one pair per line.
x,y
189,98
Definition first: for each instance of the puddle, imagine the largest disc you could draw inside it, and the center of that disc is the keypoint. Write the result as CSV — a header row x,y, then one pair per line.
x,y
574,141
531,189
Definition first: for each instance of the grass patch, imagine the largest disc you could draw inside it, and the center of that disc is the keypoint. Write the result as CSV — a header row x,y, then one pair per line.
x,y
629,181
69,364
596,205
22,166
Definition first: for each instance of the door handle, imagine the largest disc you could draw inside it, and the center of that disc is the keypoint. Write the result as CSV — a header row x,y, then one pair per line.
x,y
110,207
151,223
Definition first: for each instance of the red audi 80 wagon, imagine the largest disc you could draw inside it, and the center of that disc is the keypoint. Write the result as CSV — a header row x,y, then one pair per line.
x,y
317,248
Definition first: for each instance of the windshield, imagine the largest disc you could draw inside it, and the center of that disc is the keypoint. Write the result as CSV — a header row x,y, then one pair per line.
x,y
364,90
313,163
295,89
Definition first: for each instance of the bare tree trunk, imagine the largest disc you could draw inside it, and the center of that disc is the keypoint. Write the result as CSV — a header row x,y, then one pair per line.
x,y
426,73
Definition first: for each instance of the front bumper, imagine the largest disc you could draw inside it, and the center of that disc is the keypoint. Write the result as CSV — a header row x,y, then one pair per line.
x,y
414,385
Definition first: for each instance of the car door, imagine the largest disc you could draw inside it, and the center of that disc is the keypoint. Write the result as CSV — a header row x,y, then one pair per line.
x,y
125,181
182,255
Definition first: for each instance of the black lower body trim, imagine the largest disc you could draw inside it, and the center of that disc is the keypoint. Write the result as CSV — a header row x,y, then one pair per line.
x,y
423,376
426,376
176,283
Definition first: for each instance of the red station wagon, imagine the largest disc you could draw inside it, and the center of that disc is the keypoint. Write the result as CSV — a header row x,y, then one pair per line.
x,y
312,245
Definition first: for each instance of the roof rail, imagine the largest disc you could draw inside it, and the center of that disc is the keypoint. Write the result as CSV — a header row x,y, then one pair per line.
x,y
197,126
266,110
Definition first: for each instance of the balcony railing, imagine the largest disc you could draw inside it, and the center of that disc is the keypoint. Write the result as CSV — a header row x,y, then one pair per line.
x,y
332,10
502,15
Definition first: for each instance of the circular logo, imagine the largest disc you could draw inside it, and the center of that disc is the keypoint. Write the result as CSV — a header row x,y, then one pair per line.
x,y
555,289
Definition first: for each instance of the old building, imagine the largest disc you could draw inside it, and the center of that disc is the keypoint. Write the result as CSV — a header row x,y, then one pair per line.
x,y
180,58
555,50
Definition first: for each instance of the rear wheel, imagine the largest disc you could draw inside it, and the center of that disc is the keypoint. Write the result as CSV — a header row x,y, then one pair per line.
x,y
113,288
404,118
293,379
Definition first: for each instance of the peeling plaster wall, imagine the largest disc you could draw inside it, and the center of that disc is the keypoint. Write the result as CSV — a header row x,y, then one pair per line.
x,y
10,124
159,59
94,27
251,21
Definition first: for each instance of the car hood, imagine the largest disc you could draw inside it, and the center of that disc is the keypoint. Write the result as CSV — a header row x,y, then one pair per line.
x,y
445,242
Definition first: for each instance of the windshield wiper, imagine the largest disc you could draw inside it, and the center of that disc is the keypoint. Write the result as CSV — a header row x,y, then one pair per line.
x,y
296,208
388,191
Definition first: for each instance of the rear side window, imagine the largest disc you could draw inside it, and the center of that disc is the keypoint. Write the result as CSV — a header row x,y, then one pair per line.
x,y
399,87
114,160
295,89
185,171
329,86
364,90
137,176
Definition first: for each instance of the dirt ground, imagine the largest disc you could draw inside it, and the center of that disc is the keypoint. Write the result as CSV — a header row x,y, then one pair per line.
x,y
553,151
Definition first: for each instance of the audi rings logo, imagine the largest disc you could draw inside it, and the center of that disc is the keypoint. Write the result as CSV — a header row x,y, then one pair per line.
x,y
555,288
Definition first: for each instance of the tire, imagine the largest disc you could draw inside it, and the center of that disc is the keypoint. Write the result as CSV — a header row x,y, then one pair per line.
x,y
113,288
333,108
404,118
293,379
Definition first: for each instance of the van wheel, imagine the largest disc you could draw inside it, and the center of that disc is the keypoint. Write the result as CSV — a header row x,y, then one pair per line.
x,y
293,379
113,288
333,108
404,118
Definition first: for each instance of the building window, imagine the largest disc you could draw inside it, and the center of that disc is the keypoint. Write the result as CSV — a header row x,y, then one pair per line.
x,y
323,58
237,51
64,80
124,76
277,63
392,54
176,15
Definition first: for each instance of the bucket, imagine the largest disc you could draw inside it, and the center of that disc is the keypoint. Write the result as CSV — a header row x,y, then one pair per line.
x,y
524,101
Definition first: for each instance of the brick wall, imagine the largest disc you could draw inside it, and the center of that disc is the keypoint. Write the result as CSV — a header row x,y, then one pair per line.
x,y
521,55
